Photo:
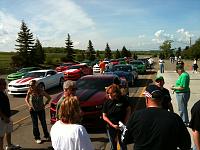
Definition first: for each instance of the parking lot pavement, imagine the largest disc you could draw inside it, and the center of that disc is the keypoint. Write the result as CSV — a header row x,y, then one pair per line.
x,y
170,79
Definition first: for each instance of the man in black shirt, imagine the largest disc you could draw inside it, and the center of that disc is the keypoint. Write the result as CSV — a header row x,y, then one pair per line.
x,y
166,102
195,124
155,128
5,114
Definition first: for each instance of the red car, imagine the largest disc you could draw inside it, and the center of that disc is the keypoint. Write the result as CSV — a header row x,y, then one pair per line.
x,y
65,66
75,72
91,94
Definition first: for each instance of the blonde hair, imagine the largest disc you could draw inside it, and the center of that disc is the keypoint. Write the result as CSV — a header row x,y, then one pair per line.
x,y
69,111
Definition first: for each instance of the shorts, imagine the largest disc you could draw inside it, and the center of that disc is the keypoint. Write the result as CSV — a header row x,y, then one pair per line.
x,y
5,127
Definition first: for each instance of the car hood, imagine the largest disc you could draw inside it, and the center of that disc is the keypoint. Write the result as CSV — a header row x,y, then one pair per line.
x,y
119,73
17,74
71,71
22,81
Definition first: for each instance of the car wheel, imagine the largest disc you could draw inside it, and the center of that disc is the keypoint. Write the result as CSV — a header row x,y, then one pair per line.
x,y
41,86
61,82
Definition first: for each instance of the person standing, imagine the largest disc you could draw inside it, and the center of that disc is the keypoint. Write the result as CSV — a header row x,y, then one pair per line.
x,y
6,125
102,66
166,103
195,66
155,128
182,91
195,124
66,133
115,109
161,64
69,88
36,105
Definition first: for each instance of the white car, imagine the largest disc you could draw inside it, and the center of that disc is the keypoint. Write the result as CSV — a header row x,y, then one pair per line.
x,y
45,79
96,69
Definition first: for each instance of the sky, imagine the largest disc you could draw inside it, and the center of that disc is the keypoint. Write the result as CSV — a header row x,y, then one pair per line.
x,y
135,24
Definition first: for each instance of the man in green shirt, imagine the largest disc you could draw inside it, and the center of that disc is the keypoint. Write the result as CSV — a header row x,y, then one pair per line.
x,y
182,90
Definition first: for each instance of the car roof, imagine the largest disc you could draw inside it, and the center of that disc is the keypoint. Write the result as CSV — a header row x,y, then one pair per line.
x,y
44,70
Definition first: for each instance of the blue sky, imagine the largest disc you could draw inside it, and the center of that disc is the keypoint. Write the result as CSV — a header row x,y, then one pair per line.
x,y
135,24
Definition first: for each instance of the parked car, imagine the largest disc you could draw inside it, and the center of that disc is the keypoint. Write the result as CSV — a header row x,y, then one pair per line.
x,y
114,61
96,68
45,79
146,62
74,72
140,65
21,72
128,71
91,94
65,66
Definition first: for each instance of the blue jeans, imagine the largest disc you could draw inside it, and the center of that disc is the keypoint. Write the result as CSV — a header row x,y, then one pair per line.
x,y
182,100
113,134
42,117
161,68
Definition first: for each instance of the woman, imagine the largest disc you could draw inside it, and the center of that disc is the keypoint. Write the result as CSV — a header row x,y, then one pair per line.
x,y
36,105
115,109
66,134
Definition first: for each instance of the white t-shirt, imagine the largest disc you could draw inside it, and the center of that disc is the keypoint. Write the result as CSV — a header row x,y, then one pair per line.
x,y
161,61
70,137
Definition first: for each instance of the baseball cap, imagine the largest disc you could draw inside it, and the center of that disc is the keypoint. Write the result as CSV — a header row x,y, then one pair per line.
x,y
69,84
158,78
153,92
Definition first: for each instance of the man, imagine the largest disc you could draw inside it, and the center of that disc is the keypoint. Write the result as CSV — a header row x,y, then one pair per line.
x,y
5,121
195,124
166,103
155,128
69,88
182,90
102,66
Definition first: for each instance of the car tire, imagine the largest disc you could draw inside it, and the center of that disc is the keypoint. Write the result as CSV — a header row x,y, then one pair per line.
x,y
42,86
61,82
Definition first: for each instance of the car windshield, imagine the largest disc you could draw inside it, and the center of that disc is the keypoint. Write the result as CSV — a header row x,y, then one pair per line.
x,y
23,70
68,64
35,74
99,84
74,67
122,68
137,63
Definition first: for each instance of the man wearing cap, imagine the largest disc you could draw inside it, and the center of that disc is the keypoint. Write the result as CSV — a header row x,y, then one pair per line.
x,y
182,90
155,128
166,103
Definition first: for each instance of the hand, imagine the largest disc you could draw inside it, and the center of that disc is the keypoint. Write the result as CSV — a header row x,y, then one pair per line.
x,y
116,126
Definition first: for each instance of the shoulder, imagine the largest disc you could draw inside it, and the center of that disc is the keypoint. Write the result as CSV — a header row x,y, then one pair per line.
x,y
196,106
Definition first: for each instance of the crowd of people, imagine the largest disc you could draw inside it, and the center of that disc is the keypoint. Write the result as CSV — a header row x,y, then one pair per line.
x,y
156,127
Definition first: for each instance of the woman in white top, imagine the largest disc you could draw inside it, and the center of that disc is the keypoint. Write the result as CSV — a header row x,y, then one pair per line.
x,y
161,64
66,134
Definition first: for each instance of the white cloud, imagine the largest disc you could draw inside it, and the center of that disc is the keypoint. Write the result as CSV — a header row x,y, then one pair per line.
x,y
161,36
183,35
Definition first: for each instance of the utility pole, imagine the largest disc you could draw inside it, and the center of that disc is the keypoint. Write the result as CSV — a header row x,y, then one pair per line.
x,y
190,41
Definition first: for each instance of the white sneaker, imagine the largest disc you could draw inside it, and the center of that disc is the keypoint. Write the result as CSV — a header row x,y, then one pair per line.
x,y
12,146
38,141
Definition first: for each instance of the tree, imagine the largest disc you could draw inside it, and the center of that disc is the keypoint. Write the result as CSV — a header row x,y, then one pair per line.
x,y
97,54
117,54
90,51
69,49
38,54
166,48
24,48
108,53
124,52
178,52
195,50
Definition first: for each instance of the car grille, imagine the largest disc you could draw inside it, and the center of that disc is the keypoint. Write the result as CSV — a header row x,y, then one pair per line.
x,y
18,86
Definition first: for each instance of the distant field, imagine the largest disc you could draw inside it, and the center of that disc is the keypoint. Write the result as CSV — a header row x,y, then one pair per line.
x,y
5,59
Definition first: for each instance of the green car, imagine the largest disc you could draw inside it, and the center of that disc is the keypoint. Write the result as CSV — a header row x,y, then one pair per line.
x,y
141,67
20,73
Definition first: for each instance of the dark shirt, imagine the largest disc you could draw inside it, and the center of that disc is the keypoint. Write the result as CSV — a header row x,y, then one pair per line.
x,y
156,129
116,109
5,104
166,98
195,117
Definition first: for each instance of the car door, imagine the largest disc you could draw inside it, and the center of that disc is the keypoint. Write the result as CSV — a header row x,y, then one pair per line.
x,y
51,79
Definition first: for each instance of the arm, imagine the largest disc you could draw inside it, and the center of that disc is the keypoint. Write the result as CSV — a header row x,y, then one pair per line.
x,y
48,98
27,101
106,119
196,138
128,113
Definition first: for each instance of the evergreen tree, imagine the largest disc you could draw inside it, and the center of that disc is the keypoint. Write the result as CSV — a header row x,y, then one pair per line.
x,y
124,52
38,54
69,49
97,54
117,54
90,51
24,48
108,53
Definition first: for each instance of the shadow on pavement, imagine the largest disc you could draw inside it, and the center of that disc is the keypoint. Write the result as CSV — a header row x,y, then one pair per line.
x,y
49,148
13,112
